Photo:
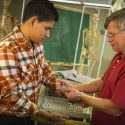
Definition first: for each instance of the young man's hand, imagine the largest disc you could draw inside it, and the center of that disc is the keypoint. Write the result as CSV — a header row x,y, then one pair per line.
x,y
53,116
57,117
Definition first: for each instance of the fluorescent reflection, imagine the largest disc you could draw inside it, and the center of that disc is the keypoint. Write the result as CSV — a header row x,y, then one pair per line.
x,y
84,3
67,1
96,4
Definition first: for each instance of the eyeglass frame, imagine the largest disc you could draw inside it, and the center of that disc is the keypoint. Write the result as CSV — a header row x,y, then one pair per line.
x,y
114,34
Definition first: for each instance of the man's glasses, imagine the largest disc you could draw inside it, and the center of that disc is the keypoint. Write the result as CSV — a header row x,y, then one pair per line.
x,y
111,35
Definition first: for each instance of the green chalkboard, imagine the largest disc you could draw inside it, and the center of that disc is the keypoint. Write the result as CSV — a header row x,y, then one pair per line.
x,y
62,44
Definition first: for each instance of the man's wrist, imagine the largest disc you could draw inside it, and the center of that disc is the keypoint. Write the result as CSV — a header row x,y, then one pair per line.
x,y
79,96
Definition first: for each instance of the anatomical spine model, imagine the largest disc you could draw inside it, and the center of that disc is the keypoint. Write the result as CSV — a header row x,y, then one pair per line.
x,y
91,39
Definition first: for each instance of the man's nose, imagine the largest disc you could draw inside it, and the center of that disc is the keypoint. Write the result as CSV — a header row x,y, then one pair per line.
x,y
109,39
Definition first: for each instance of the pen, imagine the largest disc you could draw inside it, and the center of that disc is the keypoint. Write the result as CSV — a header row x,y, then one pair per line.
x,y
74,75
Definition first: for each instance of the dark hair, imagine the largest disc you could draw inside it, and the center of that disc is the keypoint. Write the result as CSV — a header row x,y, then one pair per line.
x,y
118,17
43,9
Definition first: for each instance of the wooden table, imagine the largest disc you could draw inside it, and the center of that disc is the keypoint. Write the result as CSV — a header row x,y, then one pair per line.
x,y
44,121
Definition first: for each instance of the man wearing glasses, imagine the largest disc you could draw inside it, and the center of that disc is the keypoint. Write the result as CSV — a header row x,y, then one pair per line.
x,y
109,104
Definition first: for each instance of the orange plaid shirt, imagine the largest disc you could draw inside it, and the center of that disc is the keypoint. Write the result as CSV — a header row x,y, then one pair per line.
x,y
22,70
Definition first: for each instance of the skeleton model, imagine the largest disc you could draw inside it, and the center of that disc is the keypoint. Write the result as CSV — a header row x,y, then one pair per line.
x,y
7,22
91,38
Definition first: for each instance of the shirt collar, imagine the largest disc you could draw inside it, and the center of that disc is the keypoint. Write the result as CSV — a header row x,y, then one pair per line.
x,y
121,56
23,43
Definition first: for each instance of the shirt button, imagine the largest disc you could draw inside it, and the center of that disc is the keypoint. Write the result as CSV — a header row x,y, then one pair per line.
x,y
113,67
117,61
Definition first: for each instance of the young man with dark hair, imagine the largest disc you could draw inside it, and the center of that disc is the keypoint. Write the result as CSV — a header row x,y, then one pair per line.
x,y
23,67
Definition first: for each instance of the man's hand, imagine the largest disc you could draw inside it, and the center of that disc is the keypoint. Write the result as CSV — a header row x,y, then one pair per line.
x,y
62,86
65,85
53,116
72,94
57,117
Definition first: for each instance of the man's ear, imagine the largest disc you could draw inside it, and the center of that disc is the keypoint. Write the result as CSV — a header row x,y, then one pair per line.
x,y
33,20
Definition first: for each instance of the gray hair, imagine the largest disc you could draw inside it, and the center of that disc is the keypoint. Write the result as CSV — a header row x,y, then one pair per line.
x,y
118,17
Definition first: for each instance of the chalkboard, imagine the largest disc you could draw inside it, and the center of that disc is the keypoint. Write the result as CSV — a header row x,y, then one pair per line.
x,y
61,46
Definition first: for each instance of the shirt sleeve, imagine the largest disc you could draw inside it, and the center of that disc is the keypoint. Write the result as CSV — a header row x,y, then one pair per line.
x,y
12,97
48,78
